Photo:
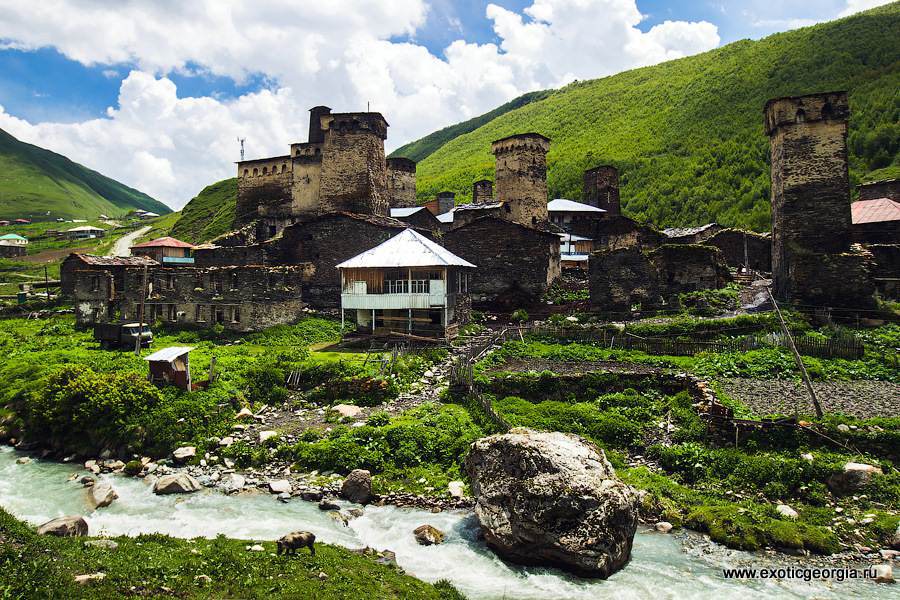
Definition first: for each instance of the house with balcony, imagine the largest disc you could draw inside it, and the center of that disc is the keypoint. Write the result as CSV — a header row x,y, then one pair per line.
x,y
408,286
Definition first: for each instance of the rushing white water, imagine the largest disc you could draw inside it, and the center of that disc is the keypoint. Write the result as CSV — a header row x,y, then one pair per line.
x,y
660,567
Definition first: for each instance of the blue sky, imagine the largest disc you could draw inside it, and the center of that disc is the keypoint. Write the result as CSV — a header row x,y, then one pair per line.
x,y
155,93
43,85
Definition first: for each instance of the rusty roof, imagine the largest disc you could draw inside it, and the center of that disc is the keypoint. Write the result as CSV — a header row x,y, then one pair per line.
x,y
164,242
115,261
875,211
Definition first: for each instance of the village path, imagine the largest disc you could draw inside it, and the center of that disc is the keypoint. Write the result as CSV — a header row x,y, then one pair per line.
x,y
123,245
290,422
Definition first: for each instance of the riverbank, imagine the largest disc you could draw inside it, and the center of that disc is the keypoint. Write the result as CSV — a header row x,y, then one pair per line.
x,y
682,565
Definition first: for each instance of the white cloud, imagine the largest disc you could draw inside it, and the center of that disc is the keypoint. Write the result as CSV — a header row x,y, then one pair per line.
x,y
855,6
338,53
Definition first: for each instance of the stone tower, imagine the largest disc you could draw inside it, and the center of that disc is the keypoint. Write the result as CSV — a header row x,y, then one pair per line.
x,y
483,191
520,175
316,133
401,182
601,189
812,261
354,169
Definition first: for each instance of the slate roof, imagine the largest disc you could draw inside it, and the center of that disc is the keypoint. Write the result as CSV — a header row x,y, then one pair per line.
x,y
674,232
115,261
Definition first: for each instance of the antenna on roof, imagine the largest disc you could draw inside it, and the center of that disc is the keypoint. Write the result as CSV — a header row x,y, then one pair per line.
x,y
241,142
368,108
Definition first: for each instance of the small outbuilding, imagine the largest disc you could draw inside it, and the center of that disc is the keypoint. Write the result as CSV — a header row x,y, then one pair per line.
x,y
406,285
171,366
167,251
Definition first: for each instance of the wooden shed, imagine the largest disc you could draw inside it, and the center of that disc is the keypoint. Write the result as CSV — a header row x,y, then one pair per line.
x,y
170,366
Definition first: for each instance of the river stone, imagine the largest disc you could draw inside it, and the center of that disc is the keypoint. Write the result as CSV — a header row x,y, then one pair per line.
x,y
327,504
105,544
70,526
456,489
311,495
184,454
884,573
357,487
552,499
427,535
101,494
233,482
346,410
279,486
854,477
786,511
663,527
24,460
178,483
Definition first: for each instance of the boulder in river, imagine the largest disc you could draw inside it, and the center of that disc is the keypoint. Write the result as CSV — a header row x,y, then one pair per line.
x,y
70,526
233,482
184,454
279,486
428,535
552,499
327,504
101,494
178,483
357,487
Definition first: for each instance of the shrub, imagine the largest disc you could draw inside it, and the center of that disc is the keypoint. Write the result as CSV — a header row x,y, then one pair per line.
x,y
520,315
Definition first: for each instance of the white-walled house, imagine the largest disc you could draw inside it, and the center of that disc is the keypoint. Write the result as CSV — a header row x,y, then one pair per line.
x,y
406,285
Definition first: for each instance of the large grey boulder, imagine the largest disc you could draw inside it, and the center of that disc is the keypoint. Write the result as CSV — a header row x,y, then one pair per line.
x,y
178,483
101,494
70,526
552,499
357,487
852,478
184,454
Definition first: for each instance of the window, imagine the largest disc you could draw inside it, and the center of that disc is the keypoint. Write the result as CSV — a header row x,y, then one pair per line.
x,y
420,286
396,286
95,283
172,312
255,172
265,170
236,314
200,314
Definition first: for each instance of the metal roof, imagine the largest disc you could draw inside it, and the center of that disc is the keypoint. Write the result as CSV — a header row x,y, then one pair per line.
x,y
164,242
446,217
406,211
12,236
571,237
564,205
86,228
168,354
875,211
406,249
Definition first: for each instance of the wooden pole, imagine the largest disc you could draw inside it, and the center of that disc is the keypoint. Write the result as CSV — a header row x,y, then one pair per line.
x,y
46,284
797,358
137,341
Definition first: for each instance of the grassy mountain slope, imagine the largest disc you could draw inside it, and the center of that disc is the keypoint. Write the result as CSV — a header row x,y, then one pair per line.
x,y
687,135
34,180
209,214
422,148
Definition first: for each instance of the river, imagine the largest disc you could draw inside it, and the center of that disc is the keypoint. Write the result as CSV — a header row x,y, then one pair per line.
x,y
662,566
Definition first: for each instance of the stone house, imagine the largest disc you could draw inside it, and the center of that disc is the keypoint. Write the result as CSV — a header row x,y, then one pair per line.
x,y
417,216
875,221
516,263
575,217
86,266
740,248
406,285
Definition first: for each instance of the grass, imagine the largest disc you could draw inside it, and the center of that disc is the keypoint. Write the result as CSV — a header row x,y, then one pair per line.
x,y
209,214
40,184
33,566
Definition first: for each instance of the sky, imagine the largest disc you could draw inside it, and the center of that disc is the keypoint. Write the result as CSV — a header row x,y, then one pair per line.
x,y
155,93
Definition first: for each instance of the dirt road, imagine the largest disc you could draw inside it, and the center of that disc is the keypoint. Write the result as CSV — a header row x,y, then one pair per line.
x,y
123,245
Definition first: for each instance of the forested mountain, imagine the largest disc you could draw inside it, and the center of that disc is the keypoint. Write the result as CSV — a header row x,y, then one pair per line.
x,y
35,181
687,135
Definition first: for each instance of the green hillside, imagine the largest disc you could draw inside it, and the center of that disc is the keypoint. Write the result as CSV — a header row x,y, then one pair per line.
x,y
209,214
34,181
420,149
687,135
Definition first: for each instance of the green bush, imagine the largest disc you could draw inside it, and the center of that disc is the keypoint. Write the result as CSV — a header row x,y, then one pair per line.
x,y
520,315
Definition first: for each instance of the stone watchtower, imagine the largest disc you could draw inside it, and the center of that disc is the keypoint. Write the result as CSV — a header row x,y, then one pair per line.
x,y
521,177
601,189
483,192
401,182
812,261
354,169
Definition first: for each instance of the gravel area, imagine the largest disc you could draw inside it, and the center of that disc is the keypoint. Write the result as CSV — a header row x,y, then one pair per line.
x,y
573,368
863,399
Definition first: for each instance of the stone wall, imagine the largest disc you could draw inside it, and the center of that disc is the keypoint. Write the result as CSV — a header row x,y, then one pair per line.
x,y
520,177
327,241
422,219
354,171
811,232
886,269
264,189
886,188
879,232
401,182
621,232
483,191
307,179
601,189
624,277
515,264
732,244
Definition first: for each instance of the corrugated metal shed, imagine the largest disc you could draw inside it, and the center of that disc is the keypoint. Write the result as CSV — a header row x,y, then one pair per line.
x,y
406,249
168,354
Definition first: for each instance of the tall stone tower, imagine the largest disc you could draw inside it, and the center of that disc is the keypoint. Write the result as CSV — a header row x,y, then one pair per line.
x,y
601,189
812,260
483,191
401,182
521,177
354,170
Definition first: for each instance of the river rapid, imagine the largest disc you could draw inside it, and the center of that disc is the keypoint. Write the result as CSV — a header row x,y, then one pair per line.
x,y
662,566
